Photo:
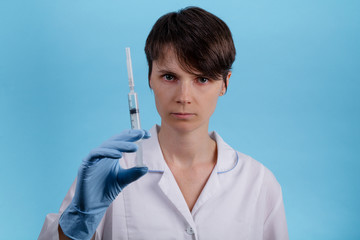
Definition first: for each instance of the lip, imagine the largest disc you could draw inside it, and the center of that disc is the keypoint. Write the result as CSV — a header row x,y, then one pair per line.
x,y
181,115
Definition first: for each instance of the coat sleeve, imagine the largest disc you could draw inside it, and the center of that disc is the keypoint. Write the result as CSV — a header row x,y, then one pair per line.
x,y
50,227
275,226
49,230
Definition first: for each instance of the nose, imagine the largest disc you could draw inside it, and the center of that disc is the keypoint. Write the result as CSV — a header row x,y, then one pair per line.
x,y
184,92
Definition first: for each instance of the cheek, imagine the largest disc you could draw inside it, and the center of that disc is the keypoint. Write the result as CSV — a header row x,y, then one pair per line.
x,y
160,100
210,104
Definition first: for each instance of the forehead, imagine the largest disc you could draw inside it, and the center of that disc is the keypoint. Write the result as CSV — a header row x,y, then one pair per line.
x,y
169,60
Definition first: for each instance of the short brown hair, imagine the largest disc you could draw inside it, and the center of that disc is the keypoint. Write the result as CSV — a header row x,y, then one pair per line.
x,y
201,40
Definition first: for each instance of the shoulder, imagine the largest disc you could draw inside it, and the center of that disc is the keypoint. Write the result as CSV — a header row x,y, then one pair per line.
x,y
260,179
244,171
235,162
248,165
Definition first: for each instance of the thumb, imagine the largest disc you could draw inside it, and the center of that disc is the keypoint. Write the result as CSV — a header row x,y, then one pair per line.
x,y
127,176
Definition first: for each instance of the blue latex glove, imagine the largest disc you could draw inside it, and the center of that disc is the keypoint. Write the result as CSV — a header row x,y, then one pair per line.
x,y
100,179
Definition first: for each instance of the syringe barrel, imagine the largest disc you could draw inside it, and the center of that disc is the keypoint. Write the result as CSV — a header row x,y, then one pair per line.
x,y
135,124
134,110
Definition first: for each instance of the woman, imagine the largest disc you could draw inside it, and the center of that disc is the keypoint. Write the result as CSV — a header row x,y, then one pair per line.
x,y
196,186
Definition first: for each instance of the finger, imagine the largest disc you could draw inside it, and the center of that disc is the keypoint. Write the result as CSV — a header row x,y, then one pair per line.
x,y
120,145
147,134
104,153
126,176
130,135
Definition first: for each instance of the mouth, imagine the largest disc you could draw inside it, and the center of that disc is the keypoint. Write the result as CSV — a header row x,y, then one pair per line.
x,y
182,115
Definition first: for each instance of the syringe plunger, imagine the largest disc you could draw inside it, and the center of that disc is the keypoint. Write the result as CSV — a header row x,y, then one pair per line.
x,y
129,69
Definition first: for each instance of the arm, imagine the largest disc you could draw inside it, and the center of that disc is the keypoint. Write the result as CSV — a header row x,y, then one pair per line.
x,y
275,226
62,236
100,179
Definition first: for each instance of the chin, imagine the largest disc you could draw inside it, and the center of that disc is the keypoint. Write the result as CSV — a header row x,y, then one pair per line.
x,y
184,126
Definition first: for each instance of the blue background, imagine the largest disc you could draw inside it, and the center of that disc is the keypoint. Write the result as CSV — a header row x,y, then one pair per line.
x,y
292,103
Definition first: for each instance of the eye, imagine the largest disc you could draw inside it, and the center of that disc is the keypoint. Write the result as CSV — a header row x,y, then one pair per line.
x,y
168,77
202,80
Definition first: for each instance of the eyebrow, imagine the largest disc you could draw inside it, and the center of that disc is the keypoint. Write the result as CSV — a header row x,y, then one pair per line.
x,y
166,71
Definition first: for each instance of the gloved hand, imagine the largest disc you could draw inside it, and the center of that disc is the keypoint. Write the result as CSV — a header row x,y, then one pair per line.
x,y
100,179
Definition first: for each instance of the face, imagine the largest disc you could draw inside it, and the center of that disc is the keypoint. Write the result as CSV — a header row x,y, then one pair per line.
x,y
185,101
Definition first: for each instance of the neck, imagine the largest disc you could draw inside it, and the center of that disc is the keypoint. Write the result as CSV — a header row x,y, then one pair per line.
x,y
187,149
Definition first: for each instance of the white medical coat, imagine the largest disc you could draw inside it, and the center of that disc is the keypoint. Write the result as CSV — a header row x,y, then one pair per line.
x,y
241,200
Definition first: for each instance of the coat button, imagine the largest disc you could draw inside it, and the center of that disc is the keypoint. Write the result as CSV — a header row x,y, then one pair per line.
x,y
189,230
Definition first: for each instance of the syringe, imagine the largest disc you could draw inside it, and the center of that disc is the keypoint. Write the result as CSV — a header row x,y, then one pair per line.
x,y
134,108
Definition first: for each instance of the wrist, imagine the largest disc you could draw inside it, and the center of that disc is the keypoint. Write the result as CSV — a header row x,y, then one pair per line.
x,y
79,225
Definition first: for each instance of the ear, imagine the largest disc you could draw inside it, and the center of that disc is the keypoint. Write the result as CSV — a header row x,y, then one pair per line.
x,y
149,81
224,88
227,79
